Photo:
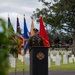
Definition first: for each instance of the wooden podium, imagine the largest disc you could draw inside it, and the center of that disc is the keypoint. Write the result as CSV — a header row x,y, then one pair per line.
x,y
39,61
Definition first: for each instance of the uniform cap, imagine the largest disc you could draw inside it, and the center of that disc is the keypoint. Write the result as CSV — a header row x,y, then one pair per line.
x,y
35,30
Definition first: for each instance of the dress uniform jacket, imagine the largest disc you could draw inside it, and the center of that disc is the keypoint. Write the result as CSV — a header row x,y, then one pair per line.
x,y
35,40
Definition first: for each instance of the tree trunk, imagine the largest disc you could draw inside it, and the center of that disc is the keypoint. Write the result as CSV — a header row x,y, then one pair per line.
x,y
73,46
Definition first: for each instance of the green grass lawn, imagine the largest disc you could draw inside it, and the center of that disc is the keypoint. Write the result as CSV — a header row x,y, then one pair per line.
x,y
69,66
21,66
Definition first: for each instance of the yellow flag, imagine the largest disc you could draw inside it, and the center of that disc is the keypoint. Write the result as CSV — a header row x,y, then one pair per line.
x,y
32,27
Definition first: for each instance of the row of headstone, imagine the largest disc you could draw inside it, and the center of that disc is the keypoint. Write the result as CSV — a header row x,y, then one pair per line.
x,y
59,52
25,59
55,57
67,59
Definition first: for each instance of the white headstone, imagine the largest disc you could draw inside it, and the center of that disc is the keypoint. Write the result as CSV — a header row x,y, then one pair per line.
x,y
74,59
65,59
22,58
27,59
54,58
70,60
49,62
61,52
19,56
51,56
57,62
12,62
49,51
72,56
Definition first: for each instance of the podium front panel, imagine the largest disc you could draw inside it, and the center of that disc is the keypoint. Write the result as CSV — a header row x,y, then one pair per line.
x,y
39,61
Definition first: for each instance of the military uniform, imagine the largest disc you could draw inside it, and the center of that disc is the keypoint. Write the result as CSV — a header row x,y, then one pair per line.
x,y
35,40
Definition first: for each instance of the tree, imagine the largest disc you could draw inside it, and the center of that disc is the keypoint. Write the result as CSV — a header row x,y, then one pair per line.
x,y
6,46
60,15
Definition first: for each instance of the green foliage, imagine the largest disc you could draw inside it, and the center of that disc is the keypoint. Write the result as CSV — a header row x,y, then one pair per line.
x,y
59,14
64,13
3,48
6,46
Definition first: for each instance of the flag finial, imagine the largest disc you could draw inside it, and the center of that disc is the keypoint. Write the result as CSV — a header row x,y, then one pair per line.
x,y
17,16
24,15
8,15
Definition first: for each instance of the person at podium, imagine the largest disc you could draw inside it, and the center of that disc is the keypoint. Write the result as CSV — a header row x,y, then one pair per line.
x,y
35,40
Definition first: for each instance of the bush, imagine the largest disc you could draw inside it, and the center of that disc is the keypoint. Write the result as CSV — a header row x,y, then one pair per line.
x,y
6,46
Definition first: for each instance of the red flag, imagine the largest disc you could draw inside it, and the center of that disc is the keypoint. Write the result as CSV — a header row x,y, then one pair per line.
x,y
43,33
20,38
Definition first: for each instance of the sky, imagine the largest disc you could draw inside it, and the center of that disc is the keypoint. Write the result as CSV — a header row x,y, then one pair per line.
x,y
15,8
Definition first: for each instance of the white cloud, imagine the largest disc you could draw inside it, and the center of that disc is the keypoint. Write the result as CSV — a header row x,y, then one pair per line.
x,y
18,8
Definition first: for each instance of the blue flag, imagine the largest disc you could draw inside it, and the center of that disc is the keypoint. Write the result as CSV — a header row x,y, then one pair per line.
x,y
26,36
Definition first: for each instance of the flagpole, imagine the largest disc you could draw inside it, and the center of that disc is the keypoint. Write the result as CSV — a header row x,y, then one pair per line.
x,y
23,63
23,55
26,37
15,66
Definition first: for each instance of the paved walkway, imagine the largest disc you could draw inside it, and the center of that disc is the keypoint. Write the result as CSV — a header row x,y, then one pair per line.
x,y
51,72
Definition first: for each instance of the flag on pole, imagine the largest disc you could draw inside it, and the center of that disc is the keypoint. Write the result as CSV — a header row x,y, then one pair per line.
x,y
19,31
10,27
26,36
43,33
32,27
19,36
18,26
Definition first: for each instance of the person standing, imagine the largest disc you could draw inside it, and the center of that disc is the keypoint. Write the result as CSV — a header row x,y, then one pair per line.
x,y
35,40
